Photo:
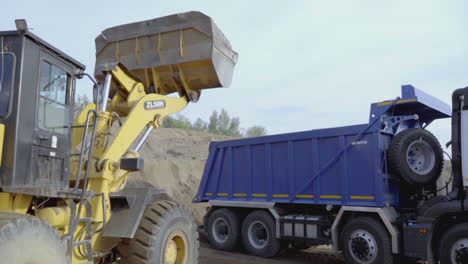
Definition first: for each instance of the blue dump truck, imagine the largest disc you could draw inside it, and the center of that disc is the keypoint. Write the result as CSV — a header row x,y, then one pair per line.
x,y
369,190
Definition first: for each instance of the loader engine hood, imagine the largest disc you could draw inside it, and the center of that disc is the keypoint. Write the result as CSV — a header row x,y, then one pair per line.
x,y
182,53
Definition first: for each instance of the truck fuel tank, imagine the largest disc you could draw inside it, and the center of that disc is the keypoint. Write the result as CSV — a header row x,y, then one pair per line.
x,y
182,53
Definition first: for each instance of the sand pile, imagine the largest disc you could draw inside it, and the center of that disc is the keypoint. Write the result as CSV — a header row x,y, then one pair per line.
x,y
174,160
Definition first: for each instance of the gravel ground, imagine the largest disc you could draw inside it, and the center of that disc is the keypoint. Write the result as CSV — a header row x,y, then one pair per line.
x,y
291,256
318,255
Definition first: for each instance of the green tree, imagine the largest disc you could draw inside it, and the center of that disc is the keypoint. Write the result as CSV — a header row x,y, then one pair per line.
x,y
223,122
234,127
220,123
179,121
213,124
168,122
200,125
256,131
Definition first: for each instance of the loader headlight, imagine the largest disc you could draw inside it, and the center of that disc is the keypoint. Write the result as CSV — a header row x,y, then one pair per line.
x,y
21,25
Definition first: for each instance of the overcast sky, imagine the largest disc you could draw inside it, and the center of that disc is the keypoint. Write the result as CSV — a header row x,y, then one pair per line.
x,y
302,64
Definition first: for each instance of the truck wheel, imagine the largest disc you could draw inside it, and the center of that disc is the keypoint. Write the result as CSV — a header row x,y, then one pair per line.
x,y
223,229
259,235
416,155
365,241
453,247
26,239
167,234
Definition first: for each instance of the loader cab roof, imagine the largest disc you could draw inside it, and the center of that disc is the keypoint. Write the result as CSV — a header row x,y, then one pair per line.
x,y
46,45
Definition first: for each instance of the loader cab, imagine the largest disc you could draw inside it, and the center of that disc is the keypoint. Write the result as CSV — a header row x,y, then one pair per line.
x,y
37,87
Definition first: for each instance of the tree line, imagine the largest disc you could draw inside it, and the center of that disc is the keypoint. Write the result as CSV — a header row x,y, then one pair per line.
x,y
218,123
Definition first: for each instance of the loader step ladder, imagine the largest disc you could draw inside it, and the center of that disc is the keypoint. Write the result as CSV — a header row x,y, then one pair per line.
x,y
87,241
85,245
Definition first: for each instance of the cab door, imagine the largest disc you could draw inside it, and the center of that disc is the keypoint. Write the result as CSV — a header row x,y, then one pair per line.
x,y
51,150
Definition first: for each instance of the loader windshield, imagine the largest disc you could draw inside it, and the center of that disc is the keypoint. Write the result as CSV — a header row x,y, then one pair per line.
x,y
7,61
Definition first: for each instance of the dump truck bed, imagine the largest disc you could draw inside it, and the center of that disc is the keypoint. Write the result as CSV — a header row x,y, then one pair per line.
x,y
338,166
281,168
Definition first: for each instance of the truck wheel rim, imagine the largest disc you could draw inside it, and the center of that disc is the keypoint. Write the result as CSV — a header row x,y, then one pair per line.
x,y
258,234
363,246
220,230
459,251
420,157
176,249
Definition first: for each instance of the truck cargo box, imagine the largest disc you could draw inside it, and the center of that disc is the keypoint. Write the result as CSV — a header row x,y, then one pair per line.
x,y
339,166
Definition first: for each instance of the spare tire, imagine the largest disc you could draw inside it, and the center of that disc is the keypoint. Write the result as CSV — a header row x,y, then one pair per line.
x,y
416,156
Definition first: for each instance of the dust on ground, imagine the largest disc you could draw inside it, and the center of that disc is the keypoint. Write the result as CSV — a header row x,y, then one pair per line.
x,y
316,255
291,256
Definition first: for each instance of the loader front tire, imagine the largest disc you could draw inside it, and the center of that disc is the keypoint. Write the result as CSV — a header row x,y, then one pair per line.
x,y
29,240
167,234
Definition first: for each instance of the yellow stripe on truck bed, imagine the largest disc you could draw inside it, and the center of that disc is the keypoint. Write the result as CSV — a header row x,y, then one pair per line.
x,y
281,195
363,197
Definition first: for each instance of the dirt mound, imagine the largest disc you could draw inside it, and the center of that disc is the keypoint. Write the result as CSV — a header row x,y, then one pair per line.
x,y
174,160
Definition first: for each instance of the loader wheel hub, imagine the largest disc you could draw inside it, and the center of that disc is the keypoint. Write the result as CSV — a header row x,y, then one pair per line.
x,y
171,252
175,251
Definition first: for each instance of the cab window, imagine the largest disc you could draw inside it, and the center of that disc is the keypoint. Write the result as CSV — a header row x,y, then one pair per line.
x,y
7,66
54,109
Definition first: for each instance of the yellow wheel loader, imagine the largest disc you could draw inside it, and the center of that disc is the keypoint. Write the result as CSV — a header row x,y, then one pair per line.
x,y
64,194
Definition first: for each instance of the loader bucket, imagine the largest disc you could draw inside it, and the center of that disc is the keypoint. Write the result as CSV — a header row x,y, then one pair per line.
x,y
182,53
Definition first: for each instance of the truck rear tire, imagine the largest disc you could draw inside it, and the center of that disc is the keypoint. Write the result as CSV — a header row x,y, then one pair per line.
x,y
223,229
166,234
365,240
25,239
453,246
259,235
416,155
